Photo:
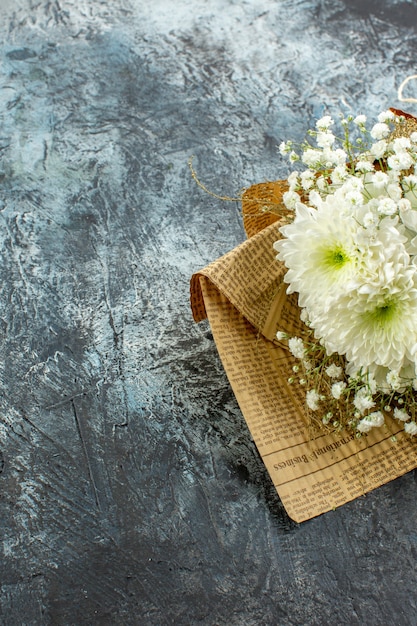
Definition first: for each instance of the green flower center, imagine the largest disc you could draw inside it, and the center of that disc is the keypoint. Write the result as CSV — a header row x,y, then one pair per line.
x,y
382,316
335,258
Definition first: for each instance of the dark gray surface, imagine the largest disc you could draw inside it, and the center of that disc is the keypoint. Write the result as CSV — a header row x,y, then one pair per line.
x,y
131,492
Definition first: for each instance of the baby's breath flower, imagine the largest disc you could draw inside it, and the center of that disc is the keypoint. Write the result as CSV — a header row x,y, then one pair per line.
x,y
312,399
285,147
360,120
338,389
338,157
307,179
290,199
393,380
312,157
370,220
372,420
401,415
409,182
401,143
363,400
387,206
321,183
410,428
385,116
325,139
364,166
400,161
339,174
379,180
293,180
324,123
296,347
334,371
378,149
380,131
354,197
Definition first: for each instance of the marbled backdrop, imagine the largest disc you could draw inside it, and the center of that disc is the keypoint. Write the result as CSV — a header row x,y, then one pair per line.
x,y
131,492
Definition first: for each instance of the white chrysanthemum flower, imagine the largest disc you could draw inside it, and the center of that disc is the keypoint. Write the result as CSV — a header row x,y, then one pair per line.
x,y
319,248
373,420
334,371
281,335
410,428
296,347
372,331
373,321
315,198
337,389
312,399
401,415
413,137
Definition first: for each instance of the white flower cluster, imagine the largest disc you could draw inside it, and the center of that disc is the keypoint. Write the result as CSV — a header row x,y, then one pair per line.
x,y
351,255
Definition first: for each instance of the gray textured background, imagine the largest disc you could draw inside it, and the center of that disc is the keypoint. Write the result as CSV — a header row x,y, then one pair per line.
x,y
131,492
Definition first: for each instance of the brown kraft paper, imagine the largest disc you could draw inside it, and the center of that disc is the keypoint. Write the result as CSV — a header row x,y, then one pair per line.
x,y
244,298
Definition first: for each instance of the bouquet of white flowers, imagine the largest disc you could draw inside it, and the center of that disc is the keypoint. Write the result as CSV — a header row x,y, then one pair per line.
x,y
350,249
